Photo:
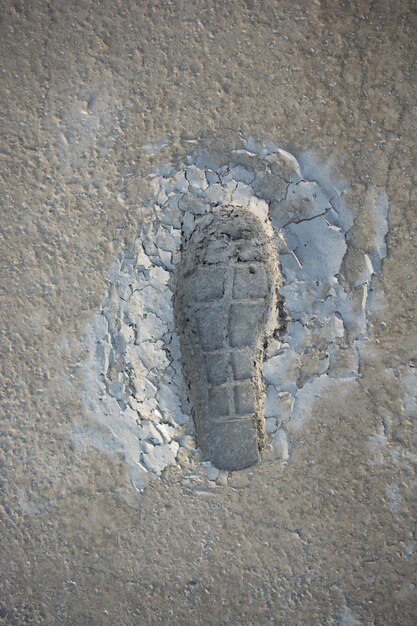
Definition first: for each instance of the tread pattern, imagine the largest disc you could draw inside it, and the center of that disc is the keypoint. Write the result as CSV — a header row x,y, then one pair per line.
x,y
224,294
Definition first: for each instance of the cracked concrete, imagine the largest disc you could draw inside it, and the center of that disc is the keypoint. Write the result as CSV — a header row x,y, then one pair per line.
x,y
315,334
101,103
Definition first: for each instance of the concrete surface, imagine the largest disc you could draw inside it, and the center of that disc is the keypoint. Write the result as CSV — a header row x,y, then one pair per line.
x,y
96,96
224,296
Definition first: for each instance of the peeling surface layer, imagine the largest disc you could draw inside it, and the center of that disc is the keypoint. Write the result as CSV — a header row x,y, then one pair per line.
x,y
320,325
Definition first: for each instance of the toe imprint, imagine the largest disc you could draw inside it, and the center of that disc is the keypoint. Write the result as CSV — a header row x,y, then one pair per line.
x,y
225,295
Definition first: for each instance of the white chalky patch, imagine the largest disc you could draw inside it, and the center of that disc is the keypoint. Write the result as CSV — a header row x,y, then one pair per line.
x,y
134,387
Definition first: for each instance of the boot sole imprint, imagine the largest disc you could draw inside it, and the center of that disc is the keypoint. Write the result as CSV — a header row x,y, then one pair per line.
x,y
224,296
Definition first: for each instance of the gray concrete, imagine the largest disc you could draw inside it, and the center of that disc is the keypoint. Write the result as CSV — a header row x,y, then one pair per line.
x,y
225,296
96,96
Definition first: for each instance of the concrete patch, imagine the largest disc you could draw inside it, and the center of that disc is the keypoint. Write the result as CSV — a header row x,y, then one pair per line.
x,y
318,329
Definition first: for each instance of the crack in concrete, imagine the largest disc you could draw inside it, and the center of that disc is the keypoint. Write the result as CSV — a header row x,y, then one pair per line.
x,y
319,325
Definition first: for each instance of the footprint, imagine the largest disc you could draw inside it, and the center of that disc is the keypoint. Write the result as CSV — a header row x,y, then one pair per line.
x,y
224,299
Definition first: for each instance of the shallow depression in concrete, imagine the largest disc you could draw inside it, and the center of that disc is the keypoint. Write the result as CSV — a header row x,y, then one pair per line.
x,y
222,308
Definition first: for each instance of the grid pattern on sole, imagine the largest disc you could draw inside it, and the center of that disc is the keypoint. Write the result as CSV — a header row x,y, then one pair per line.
x,y
224,296
232,304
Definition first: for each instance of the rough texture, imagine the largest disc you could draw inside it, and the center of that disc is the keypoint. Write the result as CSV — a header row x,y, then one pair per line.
x,y
225,292
95,97
318,332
